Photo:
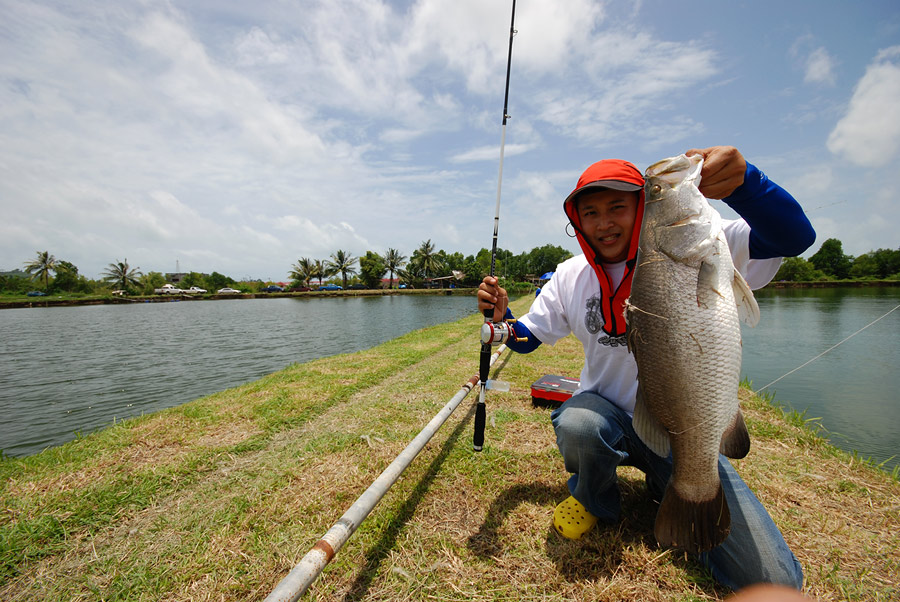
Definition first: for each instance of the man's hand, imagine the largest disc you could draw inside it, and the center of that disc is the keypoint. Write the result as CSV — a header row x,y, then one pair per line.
x,y
723,170
490,294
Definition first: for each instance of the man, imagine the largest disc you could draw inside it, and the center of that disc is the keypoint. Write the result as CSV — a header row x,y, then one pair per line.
x,y
586,297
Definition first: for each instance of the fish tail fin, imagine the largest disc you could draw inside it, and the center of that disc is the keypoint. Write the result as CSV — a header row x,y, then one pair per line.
x,y
736,439
693,526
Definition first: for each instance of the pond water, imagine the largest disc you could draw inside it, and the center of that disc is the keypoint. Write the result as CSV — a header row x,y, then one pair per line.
x,y
68,370
852,388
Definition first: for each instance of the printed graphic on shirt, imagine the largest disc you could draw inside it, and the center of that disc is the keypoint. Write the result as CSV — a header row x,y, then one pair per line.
x,y
619,341
593,321
593,317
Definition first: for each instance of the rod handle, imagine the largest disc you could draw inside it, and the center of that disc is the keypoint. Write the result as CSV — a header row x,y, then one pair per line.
x,y
480,419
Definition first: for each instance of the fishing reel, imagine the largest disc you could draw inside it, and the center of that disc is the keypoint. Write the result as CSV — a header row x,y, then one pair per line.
x,y
497,333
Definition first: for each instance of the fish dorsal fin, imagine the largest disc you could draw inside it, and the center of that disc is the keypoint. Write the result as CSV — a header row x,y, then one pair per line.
x,y
649,429
748,310
736,439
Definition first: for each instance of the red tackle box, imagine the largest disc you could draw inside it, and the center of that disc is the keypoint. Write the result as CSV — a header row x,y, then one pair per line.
x,y
551,390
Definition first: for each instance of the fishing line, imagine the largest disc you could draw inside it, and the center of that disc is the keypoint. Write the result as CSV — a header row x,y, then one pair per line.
x,y
825,206
829,349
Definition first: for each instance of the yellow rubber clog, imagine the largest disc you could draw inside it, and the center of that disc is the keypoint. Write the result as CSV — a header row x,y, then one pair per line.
x,y
572,520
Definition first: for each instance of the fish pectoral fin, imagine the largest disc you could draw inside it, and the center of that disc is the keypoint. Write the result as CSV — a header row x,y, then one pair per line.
x,y
748,309
630,329
707,280
649,429
736,439
630,334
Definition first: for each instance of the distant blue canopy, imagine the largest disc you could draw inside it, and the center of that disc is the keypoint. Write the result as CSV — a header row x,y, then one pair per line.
x,y
547,276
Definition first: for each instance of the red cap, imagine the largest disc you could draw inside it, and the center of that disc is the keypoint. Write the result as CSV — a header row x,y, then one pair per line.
x,y
608,173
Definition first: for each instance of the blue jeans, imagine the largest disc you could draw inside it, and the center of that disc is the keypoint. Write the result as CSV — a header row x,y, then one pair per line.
x,y
595,436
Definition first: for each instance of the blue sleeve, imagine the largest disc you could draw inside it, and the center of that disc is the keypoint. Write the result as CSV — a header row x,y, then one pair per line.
x,y
521,331
778,226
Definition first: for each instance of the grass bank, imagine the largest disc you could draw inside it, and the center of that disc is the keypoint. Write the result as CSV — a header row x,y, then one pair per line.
x,y
219,498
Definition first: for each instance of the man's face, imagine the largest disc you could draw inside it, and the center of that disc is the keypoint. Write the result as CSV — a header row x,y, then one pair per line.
x,y
607,220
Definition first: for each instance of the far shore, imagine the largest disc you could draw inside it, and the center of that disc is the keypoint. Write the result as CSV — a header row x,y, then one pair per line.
x,y
64,301
834,284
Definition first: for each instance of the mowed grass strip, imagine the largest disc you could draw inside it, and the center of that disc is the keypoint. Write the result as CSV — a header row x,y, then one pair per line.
x,y
220,498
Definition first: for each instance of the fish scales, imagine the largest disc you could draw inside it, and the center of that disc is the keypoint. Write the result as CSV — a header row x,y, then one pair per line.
x,y
684,331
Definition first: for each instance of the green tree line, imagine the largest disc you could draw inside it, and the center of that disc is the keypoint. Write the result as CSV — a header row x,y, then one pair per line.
x,y
831,263
418,270
52,276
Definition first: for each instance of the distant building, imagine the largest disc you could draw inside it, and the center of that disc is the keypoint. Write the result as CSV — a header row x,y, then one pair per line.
x,y
440,282
177,277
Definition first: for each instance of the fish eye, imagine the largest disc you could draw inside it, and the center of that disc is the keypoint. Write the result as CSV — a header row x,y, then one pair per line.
x,y
656,189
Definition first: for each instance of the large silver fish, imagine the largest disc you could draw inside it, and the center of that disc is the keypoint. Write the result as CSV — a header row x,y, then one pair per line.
x,y
683,329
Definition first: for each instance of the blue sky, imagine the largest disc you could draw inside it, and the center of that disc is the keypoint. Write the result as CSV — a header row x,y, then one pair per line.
x,y
239,137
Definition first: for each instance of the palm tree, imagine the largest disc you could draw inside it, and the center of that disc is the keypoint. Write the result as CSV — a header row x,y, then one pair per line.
x,y
342,262
41,267
321,269
122,275
428,258
393,261
303,270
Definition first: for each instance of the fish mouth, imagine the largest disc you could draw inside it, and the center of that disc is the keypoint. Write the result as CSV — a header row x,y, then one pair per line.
x,y
671,170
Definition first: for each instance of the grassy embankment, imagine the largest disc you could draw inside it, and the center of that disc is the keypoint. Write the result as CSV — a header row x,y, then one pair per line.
x,y
217,499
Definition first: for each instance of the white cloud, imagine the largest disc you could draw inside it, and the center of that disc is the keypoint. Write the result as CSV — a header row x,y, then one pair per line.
x,y
465,37
819,67
813,58
869,133
216,98
812,182
551,33
632,81
257,47
401,135
490,153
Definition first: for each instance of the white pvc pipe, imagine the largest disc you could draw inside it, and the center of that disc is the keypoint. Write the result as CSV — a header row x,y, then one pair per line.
x,y
310,566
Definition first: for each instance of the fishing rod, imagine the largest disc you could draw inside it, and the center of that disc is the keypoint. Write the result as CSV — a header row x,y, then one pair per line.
x,y
494,333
